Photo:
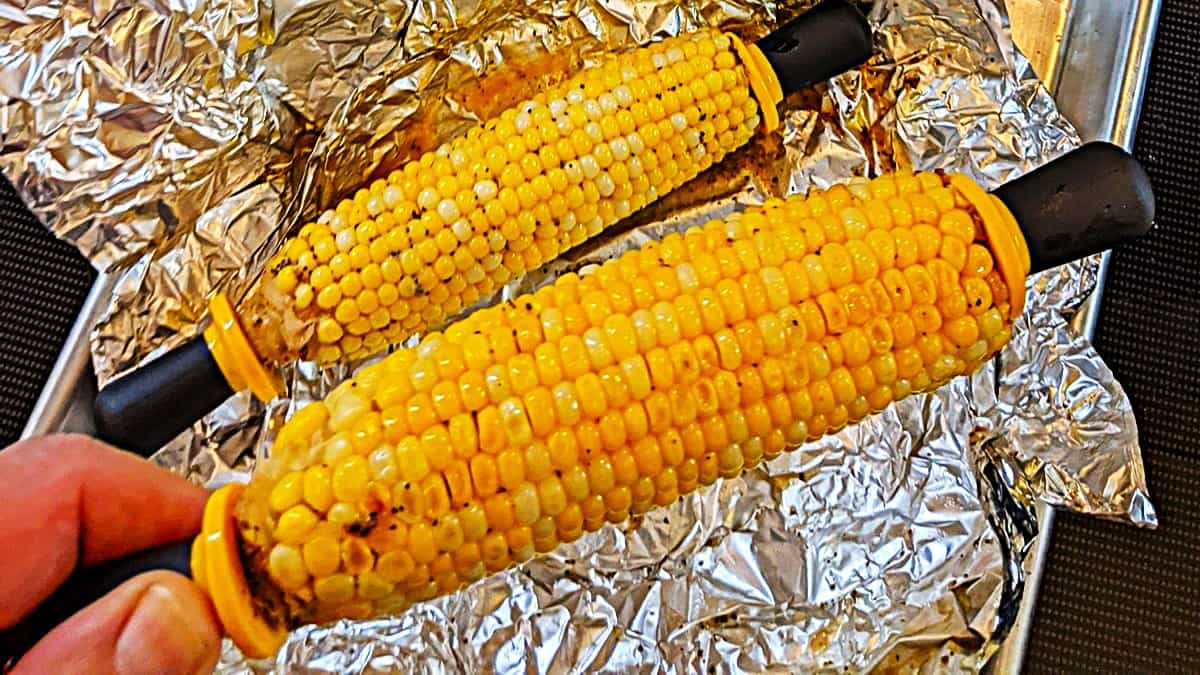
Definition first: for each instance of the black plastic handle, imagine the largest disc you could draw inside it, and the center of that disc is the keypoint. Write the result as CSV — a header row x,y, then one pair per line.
x,y
143,410
1085,202
83,588
827,40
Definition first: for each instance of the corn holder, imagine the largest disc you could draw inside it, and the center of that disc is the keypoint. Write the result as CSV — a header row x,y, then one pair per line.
x,y
408,251
599,397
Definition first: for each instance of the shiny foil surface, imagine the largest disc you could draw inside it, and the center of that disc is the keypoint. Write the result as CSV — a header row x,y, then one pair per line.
x,y
176,142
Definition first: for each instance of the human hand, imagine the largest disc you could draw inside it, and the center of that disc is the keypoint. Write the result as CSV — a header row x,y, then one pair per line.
x,y
69,501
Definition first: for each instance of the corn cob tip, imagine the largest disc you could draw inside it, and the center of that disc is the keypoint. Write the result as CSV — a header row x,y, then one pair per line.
x,y
235,355
217,568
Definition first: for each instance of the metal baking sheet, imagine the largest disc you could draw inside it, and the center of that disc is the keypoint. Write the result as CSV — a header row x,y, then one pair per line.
x,y
1093,54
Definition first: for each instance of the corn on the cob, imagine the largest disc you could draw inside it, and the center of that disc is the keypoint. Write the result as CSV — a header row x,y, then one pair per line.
x,y
603,395
409,250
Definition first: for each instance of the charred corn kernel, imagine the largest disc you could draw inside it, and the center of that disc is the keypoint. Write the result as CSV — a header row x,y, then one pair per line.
x,y
389,534
357,556
436,494
606,143
608,393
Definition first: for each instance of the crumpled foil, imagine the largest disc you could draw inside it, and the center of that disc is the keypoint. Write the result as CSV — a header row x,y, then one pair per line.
x,y
175,143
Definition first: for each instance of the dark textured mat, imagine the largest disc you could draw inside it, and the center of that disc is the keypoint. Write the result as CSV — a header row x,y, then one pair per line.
x,y
43,283
1114,598
1119,600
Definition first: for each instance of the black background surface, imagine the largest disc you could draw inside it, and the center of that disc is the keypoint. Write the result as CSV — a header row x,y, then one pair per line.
x,y
1114,598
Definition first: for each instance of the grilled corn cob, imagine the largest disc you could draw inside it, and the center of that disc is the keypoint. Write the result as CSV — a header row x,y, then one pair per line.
x,y
600,396
409,250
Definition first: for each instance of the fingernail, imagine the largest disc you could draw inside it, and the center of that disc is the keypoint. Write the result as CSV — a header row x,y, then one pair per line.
x,y
159,636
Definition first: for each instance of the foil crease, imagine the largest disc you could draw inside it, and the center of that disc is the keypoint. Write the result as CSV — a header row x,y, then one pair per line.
x,y
176,143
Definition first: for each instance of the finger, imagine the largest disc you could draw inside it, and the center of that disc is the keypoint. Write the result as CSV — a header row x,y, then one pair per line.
x,y
70,500
158,622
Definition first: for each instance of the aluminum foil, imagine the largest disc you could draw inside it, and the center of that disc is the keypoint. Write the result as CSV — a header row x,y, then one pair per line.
x,y
176,143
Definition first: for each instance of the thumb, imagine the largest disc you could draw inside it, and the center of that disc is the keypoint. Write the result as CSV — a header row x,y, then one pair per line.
x,y
158,622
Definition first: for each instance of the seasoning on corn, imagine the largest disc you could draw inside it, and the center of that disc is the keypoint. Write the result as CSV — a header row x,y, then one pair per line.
x,y
601,396
408,251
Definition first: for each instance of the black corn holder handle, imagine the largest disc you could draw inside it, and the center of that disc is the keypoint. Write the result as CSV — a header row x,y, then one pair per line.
x,y
1085,202
147,407
84,587
825,41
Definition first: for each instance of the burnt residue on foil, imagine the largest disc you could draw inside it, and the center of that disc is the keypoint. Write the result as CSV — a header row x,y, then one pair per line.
x,y
176,144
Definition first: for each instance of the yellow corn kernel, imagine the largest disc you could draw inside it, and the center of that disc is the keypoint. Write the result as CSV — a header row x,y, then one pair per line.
x,y
421,543
349,481
287,492
448,533
395,567
511,467
342,513
287,567
372,586
334,589
436,495
299,430
494,552
551,496
457,478
520,542
473,520
294,524
526,506
963,331
499,512
322,556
